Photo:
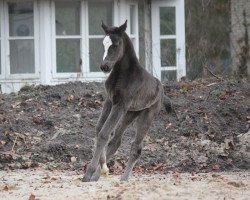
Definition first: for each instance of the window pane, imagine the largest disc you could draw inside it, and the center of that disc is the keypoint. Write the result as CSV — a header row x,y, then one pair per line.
x,y
168,53
22,56
167,20
95,54
168,75
133,42
68,55
21,19
99,11
0,48
132,19
68,18
0,59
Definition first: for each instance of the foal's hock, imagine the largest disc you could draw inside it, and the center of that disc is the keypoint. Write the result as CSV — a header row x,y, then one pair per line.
x,y
132,94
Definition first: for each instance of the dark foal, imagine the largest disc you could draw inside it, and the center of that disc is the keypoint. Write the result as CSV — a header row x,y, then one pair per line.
x,y
132,93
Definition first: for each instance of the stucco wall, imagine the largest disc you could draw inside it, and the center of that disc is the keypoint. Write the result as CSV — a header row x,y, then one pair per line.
x,y
238,30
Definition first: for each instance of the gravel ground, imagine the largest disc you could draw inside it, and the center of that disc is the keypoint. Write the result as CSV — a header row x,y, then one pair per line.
x,y
59,185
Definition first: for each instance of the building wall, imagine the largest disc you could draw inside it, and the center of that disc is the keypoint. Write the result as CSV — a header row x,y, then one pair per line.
x,y
67,47
238,31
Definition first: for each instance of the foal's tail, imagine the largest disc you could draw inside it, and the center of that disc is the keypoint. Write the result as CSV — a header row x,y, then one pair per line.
x,y
168,105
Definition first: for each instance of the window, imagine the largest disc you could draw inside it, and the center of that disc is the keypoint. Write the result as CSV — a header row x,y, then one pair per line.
x,y
68,36
77,49
168,40
133,26
21,37
36,49
97,10
167,27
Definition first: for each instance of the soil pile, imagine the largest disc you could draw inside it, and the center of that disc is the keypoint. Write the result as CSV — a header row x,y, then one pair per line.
x,y
54,126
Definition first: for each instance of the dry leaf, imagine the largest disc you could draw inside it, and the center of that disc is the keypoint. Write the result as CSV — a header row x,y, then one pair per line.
x,y
71,97
217,176
46,177
169,125
176,174
53,179
3,142
32,197
248,119
236,184
6,188
158,166
216,167
116,184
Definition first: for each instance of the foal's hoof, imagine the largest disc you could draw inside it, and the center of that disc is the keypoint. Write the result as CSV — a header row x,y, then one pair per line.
x,y
124,179
105,170
85,179
105,173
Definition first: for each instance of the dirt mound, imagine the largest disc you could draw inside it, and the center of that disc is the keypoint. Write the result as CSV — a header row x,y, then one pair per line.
x,y
55,126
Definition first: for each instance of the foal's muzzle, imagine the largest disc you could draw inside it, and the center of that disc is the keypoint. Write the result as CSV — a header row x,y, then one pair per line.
x,y
105,68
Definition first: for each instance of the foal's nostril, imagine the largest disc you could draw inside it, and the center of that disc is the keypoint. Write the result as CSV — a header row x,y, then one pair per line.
x,y
102,67
105,68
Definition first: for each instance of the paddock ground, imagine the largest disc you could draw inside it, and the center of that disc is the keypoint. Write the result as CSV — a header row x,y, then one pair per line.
x,y
39,184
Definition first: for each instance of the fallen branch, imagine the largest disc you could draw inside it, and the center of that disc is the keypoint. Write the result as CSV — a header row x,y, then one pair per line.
x,y
12,149
213,74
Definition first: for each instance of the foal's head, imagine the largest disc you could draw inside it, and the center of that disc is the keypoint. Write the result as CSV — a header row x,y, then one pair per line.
x,y
113,46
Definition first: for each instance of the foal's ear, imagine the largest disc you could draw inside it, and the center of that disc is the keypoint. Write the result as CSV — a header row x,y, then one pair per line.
x,y
122,28
105,28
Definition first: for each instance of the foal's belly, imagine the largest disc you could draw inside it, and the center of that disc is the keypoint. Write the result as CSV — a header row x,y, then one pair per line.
x,y
146,98
143,103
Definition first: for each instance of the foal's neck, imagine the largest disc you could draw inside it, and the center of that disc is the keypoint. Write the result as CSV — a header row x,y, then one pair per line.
x,y
129,58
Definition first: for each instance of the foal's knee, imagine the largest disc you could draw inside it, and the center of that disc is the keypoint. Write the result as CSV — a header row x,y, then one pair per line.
x,y
115,142
98,129
136,152
102,139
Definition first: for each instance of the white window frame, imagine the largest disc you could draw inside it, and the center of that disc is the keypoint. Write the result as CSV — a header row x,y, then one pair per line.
x,y
7,39
88,73
56,74
134,36
179,36
2,74
121,13
124,13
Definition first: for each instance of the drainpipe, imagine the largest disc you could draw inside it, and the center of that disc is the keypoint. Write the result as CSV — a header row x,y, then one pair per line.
x,y
148,36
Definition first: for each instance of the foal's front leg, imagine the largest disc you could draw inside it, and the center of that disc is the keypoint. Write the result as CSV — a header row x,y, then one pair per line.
x,y
102,119
102,139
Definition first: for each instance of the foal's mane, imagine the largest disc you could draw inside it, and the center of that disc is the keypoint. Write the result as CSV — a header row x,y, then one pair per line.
x,y
128,46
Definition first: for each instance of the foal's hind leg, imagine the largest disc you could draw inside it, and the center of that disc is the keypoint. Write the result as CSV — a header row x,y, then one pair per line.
x,y
115,142
143,123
